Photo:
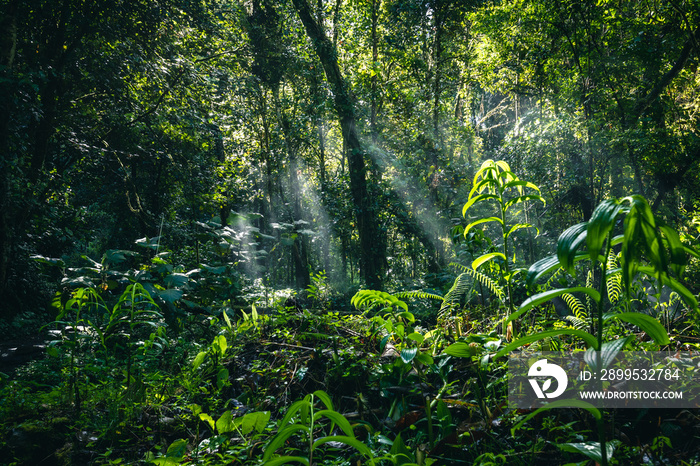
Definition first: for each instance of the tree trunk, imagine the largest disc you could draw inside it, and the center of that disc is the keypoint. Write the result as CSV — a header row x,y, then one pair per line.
x,y
372,260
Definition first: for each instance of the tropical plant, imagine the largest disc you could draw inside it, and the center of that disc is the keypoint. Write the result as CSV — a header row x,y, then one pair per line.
x,y
496,183
304,418
649,247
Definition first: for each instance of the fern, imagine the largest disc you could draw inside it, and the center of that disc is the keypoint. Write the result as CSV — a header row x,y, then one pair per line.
x,y
418,294
577,323
369,299
485,280
461,286
614,280
589,284
576,306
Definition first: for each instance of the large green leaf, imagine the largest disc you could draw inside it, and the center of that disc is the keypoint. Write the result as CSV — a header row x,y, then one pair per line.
x,y
545,296
520,184
225,423
480,197
460,349
568,243
678,259
608,351
648,324
325,399
601,222
485,258
641,240
407,354
585,336
559,404
480,186
519,226
257,420
480,221
337,419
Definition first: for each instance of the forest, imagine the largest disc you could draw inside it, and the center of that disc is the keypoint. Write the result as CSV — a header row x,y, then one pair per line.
x,y
271,232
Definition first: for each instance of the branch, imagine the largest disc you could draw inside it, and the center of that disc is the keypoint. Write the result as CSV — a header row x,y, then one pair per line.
x,y
666,79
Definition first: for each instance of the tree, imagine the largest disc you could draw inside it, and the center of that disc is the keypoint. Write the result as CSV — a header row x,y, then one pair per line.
x,y
372,258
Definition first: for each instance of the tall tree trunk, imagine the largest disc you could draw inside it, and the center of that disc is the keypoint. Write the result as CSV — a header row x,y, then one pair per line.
x,y
372,257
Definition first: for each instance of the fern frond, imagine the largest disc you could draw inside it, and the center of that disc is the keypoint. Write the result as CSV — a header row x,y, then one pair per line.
x,y
576,306
461,286
673,298
589,284
614,281
577,323
417,294
485,280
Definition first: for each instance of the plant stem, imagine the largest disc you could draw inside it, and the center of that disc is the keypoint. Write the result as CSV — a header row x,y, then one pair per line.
x,y
599,362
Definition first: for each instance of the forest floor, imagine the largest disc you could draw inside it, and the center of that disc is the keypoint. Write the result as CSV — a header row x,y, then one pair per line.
x,y
320,386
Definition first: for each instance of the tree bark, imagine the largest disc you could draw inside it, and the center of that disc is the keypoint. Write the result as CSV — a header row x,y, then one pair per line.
x,y
372,260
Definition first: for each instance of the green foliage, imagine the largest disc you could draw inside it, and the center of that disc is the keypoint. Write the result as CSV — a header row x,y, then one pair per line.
x,y
303,419
496,183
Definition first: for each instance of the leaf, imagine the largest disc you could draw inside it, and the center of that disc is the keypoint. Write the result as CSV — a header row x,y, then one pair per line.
x,y
209,420
336,418
224,424
286,460
480,186
325,399
648,324
519,226
460,349
541,267
678,259
568,243
48,260
199,359
177,449
279,440
520,184
590,449
608,351
175,280
481,220
527,197
347,440
559,404
480,197
293,409
407,354
170,295
585,336
415,336
425,358
257,420
485,258
545,296
601,222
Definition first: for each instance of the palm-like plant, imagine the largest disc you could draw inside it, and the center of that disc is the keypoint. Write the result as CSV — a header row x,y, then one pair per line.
x,y
495,183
